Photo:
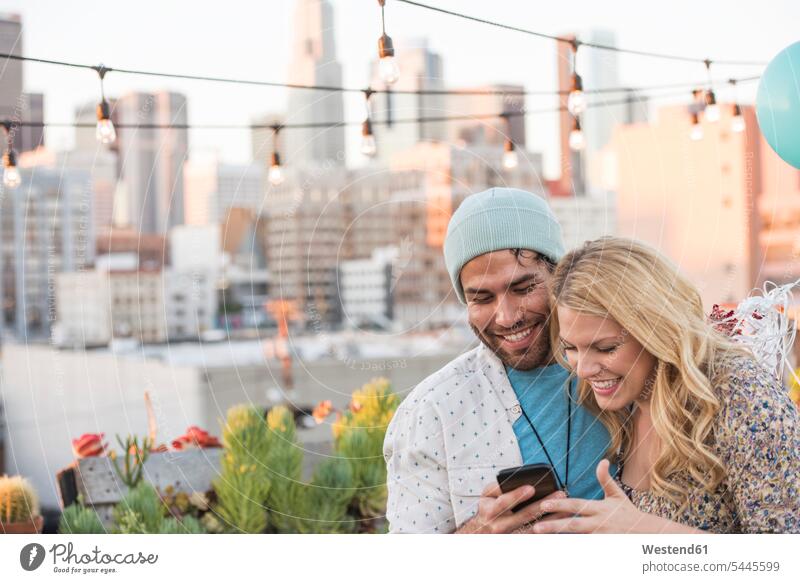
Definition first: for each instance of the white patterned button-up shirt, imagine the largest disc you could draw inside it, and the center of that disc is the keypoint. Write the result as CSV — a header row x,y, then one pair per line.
x,y
447,441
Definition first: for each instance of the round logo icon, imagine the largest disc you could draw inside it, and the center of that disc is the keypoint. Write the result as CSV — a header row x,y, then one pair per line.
x,y
31,556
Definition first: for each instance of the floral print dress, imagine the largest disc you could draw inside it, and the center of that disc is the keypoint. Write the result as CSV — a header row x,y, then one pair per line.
x,y
757,437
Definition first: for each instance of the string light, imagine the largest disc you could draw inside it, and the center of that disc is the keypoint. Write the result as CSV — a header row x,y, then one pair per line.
x,y
594,45
105,132
576,101
737,122
368,146
334,88
276,175
11,176
387,65
711,109
577,141
510,158
696,132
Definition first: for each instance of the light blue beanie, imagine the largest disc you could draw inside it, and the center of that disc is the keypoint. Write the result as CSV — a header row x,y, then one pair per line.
x,y
495,219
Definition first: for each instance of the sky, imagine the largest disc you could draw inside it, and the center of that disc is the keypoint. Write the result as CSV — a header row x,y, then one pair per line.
x,y
249,39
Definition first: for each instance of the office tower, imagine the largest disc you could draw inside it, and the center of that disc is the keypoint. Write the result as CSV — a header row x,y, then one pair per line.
x,y
47,228
420,69
213,187
313,62
725,208
505,99
151,159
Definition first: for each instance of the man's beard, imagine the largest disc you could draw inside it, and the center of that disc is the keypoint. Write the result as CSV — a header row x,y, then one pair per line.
x,y
533,356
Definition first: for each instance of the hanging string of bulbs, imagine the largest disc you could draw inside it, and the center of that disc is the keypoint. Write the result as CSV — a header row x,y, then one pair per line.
x,y
703,100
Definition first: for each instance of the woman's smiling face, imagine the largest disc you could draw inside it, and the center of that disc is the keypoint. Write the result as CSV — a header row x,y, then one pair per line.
x,y
604,355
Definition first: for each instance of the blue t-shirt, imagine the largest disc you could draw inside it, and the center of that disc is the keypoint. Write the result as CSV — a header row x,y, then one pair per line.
x,y
542,394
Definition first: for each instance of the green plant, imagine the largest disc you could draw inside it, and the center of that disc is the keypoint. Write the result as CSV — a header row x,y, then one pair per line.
x,y
78,519
358,437
140,511
135,456
188,525
328,497
243,485
284,462
18,500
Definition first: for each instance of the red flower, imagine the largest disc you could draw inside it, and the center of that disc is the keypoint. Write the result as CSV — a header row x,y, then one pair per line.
x,y
195,437
89,445
321,411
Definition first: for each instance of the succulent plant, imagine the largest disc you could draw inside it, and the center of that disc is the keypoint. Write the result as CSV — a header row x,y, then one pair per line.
x,y
188,525
78,519
18,500
140,511
243,486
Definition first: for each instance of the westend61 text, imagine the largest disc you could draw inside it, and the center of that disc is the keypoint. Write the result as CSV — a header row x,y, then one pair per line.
x,y
675,550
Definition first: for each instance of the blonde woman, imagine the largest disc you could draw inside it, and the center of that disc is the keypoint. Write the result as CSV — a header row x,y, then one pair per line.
x,y
706,438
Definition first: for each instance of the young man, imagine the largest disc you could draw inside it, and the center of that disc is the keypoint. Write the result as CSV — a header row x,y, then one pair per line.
x,y
503,403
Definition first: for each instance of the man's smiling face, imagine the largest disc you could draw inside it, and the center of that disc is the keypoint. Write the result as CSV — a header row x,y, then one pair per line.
x,y
508,305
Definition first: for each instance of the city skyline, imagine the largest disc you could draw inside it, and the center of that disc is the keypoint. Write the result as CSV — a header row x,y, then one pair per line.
x,y
465,62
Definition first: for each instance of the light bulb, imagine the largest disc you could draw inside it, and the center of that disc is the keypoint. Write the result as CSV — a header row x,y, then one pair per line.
x,y
576,102
712,113
368,146
275,174
105,132
576,140
389,70
387,67
510,160
737,122
11,177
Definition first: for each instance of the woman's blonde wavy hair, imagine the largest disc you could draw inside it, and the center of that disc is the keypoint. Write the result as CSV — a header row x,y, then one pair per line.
x,y
647,296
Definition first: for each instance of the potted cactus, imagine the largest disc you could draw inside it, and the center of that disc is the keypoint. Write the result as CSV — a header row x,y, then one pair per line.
x,y
19,507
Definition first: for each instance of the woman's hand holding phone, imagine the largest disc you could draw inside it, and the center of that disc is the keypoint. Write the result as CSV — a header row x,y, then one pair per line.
x,y
495,515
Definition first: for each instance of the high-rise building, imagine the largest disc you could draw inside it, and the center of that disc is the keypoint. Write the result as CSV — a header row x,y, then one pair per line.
x,y
213,187
15,104
600,70
31,137
100,164
725,208
501,99
409,209
151,159
313,62
420,70
11,97
47,228
306,229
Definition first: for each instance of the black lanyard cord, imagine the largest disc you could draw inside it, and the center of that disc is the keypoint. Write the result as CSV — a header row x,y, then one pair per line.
x,y
562,485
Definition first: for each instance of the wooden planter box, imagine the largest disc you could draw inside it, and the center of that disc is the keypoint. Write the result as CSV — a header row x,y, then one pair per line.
x,y
97,481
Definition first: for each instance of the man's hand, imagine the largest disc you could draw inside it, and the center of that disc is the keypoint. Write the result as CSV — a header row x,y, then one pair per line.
x,y
494,511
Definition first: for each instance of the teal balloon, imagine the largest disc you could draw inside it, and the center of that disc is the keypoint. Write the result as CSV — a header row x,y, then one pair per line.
x,y
778,104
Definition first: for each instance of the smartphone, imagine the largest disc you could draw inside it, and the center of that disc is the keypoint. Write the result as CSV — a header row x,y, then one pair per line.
x,y
540,476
